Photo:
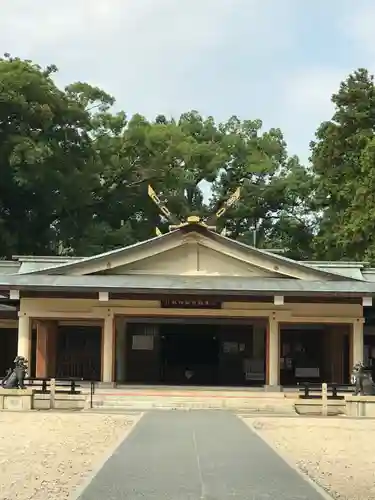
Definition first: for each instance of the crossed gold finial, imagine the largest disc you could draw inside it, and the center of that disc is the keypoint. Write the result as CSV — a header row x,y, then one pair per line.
x,y
191,219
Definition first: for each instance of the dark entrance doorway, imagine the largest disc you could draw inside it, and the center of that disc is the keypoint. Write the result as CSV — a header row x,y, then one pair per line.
x,y
302,355
8,351
189,354
79,352
188,351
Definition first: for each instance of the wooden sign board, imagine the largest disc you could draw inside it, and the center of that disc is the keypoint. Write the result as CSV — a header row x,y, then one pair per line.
x,y
190,304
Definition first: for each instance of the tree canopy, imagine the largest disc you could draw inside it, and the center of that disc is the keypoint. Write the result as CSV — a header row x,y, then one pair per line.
x,y
75,173
343,170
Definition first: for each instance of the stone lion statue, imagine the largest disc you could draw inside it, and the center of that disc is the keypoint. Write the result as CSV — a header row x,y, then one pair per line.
x,y
361,378
15,377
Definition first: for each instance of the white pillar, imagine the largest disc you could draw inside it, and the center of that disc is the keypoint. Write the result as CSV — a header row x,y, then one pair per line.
x,y
357,341
24,337
273,360
108,349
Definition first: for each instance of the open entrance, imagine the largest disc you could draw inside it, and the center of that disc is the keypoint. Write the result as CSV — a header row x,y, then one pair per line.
x,y
79,352
314,353
221,352
189,354
8,351
369,345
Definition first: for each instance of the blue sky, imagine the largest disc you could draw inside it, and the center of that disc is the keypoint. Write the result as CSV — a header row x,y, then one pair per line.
x,y
277,60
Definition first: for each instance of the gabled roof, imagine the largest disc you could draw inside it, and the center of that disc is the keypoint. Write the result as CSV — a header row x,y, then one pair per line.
x,y
173,239
65,267
278,258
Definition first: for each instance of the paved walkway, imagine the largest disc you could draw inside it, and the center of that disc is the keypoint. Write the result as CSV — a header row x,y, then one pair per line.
x,y
197,455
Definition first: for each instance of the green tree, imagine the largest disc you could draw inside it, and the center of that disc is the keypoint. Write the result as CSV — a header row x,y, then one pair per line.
x,y
342,167
359,215
75,174
45,159
205,158
271,212
173,156
132,155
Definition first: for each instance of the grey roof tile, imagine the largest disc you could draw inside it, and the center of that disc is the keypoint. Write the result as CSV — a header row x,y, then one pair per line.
x,y
185,284
70,266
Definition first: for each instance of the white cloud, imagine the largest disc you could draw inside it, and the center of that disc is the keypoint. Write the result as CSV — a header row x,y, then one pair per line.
x,y
358,26
308,92
168,56
305,103
146,52
127,26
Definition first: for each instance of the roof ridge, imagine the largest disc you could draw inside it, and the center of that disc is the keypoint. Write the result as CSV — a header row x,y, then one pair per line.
x,y
202,231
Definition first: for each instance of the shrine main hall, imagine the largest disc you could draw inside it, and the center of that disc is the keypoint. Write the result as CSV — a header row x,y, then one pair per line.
x,y
191,307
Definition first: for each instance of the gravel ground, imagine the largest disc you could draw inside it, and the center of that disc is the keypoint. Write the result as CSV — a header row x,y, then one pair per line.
x,y
43,456
337,453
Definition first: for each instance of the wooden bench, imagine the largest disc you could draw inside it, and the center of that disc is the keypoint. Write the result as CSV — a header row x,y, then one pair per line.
x,y
312,390
63,386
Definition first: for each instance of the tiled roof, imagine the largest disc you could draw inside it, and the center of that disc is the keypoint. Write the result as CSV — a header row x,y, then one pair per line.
x,y
68,267
184,284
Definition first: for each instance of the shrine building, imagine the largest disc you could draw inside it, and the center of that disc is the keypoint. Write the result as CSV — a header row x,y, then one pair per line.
x,y
190,307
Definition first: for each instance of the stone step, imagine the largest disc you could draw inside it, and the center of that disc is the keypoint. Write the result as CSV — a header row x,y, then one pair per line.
x,y
192,394
187,398
254,405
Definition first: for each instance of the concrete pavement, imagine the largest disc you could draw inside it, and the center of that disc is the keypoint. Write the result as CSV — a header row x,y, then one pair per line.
x,y
196,455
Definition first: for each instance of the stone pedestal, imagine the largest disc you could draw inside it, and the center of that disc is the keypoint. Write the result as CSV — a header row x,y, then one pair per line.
x,y
314,407
16,399
273,388
360,406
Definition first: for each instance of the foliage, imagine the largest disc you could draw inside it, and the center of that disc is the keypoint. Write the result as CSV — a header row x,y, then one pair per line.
x,y
75,174
342,167
45,158
271,212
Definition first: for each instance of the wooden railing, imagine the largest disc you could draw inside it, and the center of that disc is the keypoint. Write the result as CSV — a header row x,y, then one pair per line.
x,y
310,390
42,385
